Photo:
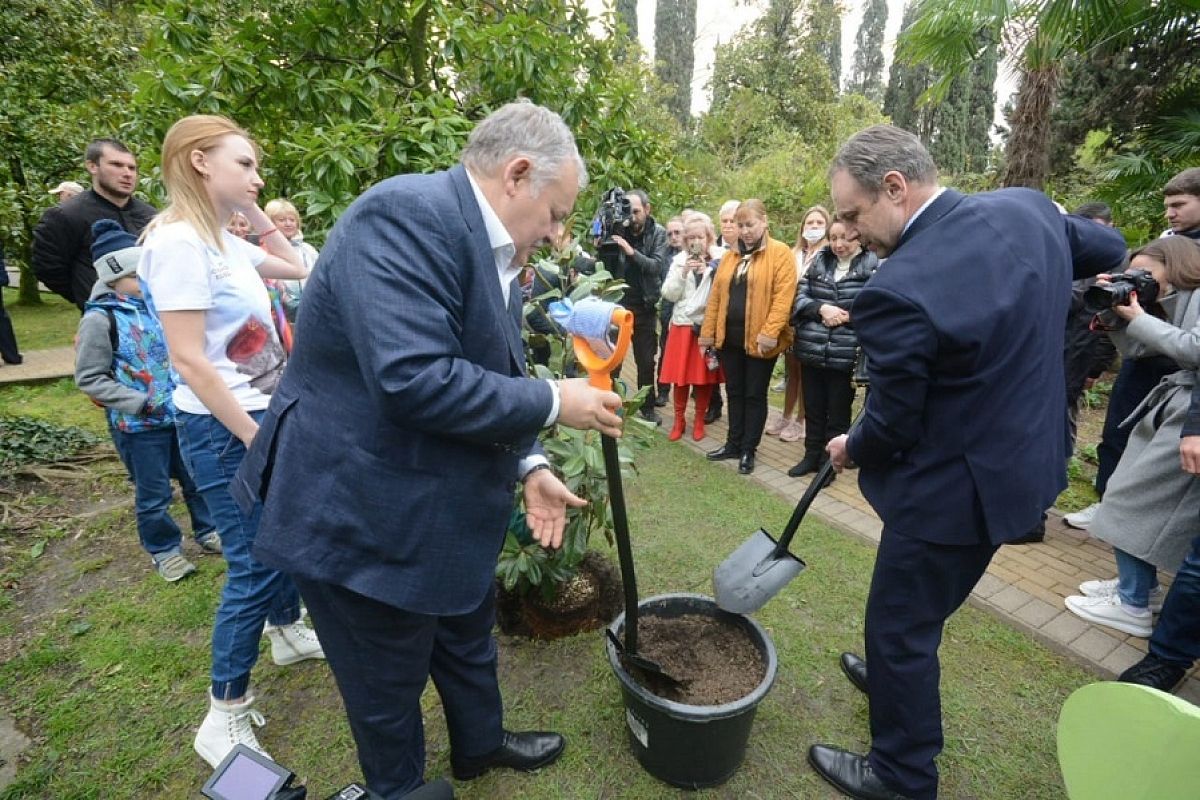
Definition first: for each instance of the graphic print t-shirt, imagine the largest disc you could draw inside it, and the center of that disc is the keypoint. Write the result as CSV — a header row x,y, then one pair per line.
x,y
181,272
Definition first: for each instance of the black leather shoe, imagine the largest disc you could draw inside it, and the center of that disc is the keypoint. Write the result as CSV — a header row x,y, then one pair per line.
x,y
1038,534
746,464
525,751
856,670
810,463
723,453
664,395
1152,671
713,414
850,773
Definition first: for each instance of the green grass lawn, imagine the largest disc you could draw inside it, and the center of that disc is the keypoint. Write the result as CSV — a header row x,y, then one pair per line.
x,y
107,669
51,324
60,402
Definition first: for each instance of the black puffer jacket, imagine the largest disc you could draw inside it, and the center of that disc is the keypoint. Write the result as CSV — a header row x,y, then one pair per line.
x,y
815,344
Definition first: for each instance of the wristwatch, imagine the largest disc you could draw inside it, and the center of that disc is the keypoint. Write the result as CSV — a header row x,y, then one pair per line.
x,y
534,469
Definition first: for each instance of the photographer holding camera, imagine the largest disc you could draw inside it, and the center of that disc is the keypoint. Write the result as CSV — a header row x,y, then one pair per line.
x,y
1148,513
643,247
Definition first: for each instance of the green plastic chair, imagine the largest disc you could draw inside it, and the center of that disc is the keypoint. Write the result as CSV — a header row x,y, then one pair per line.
x,y
1120,741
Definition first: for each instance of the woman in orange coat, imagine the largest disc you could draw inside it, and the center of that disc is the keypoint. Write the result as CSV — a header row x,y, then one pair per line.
x,y
747,322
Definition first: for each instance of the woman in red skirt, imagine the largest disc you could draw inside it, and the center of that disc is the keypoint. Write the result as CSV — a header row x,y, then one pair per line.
x,y
684,363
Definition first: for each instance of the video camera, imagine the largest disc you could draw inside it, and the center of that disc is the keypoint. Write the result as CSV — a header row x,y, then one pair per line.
x,y
246,774
614,217
1119,289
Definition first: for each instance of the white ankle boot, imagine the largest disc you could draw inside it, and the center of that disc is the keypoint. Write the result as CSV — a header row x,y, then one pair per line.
x,y
292,643
227,725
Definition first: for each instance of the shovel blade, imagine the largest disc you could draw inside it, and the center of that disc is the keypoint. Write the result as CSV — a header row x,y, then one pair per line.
x,y
752,575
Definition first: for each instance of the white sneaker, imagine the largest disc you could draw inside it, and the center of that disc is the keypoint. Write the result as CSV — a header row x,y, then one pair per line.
x,y
1109,588
1082,519
292,643
226,726
1110,611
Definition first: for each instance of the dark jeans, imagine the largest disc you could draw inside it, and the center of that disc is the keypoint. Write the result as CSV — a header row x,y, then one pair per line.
x,y
828,394
645,343
152,459
916,586
1177,635
8,339
747,380
1135,380
253,593
382,657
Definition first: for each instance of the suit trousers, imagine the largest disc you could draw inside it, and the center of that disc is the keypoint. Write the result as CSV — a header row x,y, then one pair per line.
x,y
382,657
8,340
645,344
828,395
747,380
916,586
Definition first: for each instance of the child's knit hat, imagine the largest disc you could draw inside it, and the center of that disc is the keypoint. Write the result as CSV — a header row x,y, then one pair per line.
x,y
115,251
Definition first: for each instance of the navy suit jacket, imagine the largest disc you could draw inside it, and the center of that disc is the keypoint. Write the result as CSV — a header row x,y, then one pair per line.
x,y
388,457
963,438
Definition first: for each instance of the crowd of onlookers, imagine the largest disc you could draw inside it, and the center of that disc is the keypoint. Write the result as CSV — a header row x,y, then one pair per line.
x,y
209,289
733,299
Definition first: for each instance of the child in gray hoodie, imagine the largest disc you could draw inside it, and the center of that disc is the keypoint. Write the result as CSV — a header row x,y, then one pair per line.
x,y
121,363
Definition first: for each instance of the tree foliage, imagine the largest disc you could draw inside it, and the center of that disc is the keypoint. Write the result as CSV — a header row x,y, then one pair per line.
x,y
955,128
63,81
867,75
1040,35
674,53
342,95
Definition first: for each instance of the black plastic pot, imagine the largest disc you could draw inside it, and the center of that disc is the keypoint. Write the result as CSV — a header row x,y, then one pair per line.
x,y
682,744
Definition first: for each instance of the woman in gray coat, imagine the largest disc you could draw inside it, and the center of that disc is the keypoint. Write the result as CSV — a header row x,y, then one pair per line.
x,y
1148,513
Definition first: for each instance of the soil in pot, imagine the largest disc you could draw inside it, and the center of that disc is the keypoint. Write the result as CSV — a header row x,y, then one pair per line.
x,y
716,661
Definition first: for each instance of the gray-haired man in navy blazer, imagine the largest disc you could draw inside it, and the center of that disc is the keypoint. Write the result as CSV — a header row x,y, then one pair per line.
x,y
389,456
962,443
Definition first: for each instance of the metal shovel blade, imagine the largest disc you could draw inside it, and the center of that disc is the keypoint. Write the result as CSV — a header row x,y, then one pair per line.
x,y
753,574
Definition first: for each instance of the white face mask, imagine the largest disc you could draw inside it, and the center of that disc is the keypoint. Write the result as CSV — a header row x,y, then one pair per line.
x,y
814,235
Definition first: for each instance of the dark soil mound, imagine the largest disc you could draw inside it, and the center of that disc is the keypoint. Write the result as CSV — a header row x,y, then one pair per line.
x,y
716,661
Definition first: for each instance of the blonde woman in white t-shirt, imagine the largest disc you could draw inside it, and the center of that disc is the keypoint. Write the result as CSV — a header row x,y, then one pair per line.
x,y
206,286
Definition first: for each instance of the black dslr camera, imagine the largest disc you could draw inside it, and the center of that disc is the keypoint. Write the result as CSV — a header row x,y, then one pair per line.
x,y
1120,288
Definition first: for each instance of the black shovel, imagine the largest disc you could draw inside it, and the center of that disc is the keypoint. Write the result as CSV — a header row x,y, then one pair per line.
x,y
599,375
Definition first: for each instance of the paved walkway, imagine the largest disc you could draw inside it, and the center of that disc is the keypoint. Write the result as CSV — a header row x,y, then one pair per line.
x,y
1024,586
40,366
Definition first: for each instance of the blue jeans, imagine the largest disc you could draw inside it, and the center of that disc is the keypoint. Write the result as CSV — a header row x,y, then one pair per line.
x,y
1135,579
152,459
1176,638
253,593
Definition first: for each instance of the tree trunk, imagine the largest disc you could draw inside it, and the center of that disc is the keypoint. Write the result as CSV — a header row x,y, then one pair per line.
x,y
27,292
1027,160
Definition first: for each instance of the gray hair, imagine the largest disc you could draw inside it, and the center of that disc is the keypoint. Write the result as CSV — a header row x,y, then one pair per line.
x,y
872,153
700,218
728,207
522,128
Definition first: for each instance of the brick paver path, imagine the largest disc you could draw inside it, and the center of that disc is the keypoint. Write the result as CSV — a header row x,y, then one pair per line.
x,y
1024,586
40,366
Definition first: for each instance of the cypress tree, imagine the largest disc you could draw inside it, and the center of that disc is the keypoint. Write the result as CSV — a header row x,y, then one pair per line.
x,y
627,13
825,31
981,106
906,82
867,76
674,51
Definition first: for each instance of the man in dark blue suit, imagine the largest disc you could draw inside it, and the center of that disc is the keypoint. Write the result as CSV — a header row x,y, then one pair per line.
x,y
962,444
388,459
